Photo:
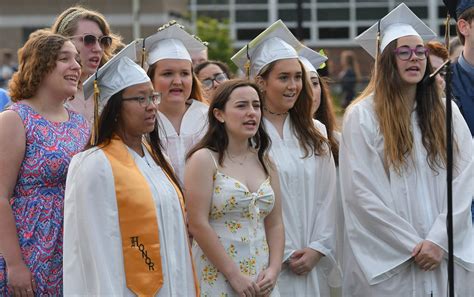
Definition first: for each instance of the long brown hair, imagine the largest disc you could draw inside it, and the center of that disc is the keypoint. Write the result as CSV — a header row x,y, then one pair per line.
x,y
66,25
216,138
393,112
108,127
37,58
326,115
309,137
196,90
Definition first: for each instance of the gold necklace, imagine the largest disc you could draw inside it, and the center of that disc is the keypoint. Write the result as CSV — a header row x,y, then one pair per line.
x,y
234,159
275,113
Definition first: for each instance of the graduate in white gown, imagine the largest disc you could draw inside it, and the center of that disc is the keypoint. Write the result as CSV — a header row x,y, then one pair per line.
x,y
393,174
182,113
125,231
303,158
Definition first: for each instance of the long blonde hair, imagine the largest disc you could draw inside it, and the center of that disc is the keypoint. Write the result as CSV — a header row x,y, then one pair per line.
x,y
393,111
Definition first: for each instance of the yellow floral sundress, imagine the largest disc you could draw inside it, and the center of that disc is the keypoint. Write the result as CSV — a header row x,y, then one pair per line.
x,y
236,216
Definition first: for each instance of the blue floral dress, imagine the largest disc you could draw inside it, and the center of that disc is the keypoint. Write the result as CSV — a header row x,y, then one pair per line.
x,y
38,197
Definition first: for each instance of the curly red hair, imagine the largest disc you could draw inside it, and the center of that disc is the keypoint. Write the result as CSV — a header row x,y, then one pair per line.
x,y
36,59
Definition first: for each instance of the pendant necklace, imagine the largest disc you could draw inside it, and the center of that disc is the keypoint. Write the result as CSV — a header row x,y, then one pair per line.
x,y
235,160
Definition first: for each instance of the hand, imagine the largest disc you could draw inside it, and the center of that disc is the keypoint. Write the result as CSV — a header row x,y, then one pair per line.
x,y
427,255
243,285
266,280
20,280
303,261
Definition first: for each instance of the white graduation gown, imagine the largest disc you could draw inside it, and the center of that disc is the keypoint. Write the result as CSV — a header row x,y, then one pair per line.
x,y
387,214
93,259
193,127
309,207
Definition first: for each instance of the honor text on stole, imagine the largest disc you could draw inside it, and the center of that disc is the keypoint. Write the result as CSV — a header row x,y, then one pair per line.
x,y
142,249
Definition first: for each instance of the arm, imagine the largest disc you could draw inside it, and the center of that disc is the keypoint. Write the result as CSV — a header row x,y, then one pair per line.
x,y
198,185
275,234
12,151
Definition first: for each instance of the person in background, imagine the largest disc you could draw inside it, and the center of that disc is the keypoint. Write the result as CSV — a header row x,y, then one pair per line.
x,y
7,68
393,163
124,220
4,99
199,56
438,54
91,34
181,112
233,198
211,74
455,49
303,159
349,76
38,137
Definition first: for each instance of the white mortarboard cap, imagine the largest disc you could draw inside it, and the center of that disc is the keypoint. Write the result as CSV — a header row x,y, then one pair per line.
x,y
171,42
275,43
311,59
400,22
118,73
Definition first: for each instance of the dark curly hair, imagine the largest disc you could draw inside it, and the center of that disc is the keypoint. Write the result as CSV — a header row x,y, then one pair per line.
x,y
36,59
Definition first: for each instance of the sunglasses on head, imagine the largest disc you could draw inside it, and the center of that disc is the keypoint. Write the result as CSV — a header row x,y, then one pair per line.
x,y
90,40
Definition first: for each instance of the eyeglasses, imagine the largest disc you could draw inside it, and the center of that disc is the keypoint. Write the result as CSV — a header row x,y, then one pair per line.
x,y
90,40
209,82
405,53
154,98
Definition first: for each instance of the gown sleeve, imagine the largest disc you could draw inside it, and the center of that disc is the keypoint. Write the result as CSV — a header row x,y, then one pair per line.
x,y
90,267
463,191
380,239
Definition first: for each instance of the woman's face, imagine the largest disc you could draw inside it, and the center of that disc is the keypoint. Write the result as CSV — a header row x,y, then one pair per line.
x,y
211,77
282,85
91,53
316,87
173,79
411,71
436,62
137,118
62,81
241,115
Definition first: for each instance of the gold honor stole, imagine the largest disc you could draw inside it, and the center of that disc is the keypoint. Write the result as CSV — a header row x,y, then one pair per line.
x,y
138,222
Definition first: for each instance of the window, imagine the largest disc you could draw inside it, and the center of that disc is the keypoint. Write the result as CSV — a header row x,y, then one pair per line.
x,y
289,15
334,33
251,1
371,13
306,33
333,14
212,1
249,16
248,34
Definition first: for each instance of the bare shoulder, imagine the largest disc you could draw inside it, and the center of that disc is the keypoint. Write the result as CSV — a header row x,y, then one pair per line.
x,y
11,126
202,159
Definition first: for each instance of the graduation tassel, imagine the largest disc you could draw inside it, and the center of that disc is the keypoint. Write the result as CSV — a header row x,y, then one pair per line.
x,y
142,62
377,48
95,127
247,64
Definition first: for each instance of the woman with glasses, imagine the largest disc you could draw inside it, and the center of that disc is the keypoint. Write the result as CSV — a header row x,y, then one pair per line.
x,y
182,114
211,74
38,137
303,159
124,220
91,34
393,173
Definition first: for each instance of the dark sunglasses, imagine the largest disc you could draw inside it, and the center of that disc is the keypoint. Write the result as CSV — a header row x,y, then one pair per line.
x,y
89,40
405,53
209,82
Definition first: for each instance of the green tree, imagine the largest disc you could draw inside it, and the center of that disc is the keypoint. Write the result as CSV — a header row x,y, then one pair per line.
x,y
217,34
